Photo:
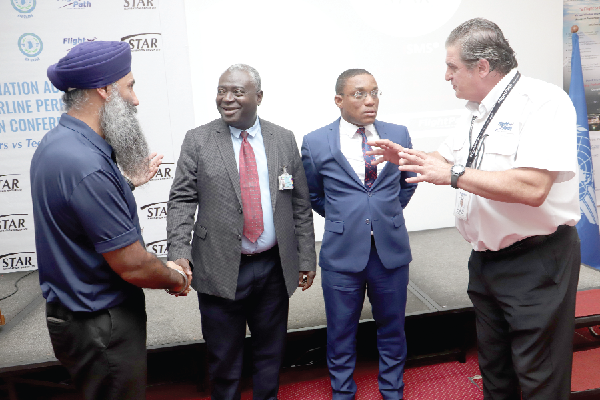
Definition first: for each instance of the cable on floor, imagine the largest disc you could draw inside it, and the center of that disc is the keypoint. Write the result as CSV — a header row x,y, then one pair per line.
x,y
16,285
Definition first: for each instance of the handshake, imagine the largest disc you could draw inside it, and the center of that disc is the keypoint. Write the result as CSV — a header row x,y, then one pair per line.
x,y
182,266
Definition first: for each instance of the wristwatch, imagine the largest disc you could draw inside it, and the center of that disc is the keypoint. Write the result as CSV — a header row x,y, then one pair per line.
x,y
455,172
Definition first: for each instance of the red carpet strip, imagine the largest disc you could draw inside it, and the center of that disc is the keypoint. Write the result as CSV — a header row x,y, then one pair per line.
x,y
585,370
586,375
445,381
587,303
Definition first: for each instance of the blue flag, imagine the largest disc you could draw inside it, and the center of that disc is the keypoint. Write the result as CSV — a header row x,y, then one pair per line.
x,y
587,227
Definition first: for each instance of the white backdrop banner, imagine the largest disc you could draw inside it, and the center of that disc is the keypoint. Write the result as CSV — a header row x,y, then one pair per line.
x,y
36,34
300,49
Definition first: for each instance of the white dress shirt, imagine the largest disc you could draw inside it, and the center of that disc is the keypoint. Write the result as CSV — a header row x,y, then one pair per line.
x,y
267,239
351,146
536,127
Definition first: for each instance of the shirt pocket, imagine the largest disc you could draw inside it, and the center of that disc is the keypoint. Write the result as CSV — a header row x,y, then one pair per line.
x,y
460,150
500,151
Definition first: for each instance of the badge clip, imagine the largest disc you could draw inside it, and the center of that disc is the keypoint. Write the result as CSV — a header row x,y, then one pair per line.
x,y
286,181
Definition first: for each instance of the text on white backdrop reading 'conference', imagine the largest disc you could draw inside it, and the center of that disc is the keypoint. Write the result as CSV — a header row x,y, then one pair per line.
x,y
15,113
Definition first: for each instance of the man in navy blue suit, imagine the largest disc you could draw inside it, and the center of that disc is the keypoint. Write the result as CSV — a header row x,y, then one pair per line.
x,y
365,244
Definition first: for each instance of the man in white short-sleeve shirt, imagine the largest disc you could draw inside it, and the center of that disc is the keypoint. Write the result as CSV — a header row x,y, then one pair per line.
x,y
513,163
534,128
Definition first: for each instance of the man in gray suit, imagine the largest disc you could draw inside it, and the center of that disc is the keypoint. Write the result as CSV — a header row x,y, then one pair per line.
x,y
253,238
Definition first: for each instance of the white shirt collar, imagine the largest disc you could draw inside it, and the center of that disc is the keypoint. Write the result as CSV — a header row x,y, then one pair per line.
x,y
348,129
252,131
489,101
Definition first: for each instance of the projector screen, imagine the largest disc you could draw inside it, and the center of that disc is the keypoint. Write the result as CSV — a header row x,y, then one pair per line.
x,y
300,48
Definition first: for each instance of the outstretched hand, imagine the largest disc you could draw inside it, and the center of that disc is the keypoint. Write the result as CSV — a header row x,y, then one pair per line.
x,y
430,167
154,161
387,149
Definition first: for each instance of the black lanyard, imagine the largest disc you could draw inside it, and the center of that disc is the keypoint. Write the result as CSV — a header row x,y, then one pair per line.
x,y
474,148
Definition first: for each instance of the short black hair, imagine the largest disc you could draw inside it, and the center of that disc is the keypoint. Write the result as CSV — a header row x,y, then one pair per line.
x,y
340,84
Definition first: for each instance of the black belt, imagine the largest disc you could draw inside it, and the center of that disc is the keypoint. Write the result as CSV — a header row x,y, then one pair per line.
x,y
262,253
524,245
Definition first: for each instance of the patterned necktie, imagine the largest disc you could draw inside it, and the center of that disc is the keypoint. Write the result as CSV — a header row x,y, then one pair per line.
x,y
249,185
370,170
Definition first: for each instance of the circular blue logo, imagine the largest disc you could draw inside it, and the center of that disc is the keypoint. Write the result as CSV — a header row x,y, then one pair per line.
x,y
30,44
23,6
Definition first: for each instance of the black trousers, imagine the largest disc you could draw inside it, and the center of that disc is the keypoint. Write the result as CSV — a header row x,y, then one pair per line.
x,y
104,351
261,300
524,299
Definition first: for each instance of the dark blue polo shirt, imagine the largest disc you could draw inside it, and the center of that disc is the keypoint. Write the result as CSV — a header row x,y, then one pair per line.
x,y
82,207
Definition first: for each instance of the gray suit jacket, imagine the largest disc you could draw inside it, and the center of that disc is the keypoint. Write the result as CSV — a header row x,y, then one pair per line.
x,y
207,179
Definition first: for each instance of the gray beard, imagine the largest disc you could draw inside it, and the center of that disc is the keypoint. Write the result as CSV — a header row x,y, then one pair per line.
x,y
122,131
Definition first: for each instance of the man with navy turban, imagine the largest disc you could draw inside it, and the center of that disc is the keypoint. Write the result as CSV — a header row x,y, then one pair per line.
x,y
91,256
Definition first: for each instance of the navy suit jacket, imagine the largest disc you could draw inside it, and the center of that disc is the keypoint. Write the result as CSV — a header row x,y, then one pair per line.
x,y
350,209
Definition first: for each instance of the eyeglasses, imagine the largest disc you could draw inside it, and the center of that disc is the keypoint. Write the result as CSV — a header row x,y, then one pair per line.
x,y
358,95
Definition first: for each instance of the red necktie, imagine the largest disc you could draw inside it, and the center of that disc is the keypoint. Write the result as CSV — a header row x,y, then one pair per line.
x,y
249,185
370,170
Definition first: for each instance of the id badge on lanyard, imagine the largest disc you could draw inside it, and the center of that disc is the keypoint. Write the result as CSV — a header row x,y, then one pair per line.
x,y
461,205
286,181
463,198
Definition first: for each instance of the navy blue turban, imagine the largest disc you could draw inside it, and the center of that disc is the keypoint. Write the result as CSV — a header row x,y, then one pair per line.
x,y
91,65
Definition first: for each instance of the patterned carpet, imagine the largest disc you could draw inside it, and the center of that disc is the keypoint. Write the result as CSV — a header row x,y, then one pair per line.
x,y
444,381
